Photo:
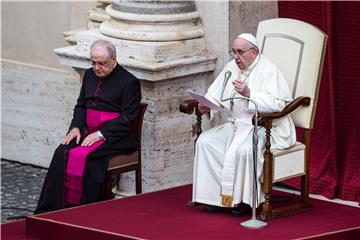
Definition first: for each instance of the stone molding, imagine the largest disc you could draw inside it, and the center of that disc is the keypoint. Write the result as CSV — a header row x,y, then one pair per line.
x,y
151,27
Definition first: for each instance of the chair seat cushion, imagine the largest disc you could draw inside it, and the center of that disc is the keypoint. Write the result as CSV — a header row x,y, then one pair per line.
x,y
289,162
297,147
122,160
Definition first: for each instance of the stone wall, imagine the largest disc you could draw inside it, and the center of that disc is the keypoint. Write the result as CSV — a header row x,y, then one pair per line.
x,y
31,30
37,105
245,15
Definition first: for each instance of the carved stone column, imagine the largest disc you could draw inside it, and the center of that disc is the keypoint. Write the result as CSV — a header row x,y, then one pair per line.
x,y
163,44
97,15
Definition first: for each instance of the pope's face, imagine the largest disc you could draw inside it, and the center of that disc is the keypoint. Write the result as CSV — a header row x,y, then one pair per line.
x,y
244,53
102,63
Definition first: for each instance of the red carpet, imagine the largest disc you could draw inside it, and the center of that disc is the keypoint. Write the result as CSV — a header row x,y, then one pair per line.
x,y
164,215
13,231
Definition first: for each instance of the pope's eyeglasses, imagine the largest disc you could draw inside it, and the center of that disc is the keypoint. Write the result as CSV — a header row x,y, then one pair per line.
x,y
238,52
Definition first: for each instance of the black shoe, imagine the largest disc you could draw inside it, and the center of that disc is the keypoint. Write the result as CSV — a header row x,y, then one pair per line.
x,y
213,209
241,210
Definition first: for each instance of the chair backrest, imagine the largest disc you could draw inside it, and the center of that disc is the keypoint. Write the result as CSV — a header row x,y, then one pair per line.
x,y
137,127
298,49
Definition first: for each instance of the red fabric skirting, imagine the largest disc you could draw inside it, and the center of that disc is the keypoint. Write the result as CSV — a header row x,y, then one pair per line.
x,y
164,215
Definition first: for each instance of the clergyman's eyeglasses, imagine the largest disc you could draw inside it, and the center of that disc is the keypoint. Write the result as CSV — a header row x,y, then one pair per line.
x,y
101,64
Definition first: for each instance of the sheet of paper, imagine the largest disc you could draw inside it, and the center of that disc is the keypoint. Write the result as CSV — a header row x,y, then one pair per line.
x,y
203,100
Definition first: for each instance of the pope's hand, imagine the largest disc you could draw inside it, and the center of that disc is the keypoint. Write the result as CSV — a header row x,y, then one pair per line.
x,y
242,88
74,133
203,109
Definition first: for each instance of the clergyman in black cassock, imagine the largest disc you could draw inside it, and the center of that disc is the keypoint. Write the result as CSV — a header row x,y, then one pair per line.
x,y
110,97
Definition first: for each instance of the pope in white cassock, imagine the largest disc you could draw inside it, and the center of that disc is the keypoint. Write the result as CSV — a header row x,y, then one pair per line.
x,y
223,165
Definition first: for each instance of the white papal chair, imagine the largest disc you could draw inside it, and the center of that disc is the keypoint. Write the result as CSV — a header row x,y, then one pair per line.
x,y
298,48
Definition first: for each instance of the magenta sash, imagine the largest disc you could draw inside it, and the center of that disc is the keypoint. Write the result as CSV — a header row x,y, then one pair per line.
x,y
77,156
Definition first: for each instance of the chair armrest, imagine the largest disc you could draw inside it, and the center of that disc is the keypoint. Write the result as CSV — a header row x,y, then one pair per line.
x,y
188,106
264,118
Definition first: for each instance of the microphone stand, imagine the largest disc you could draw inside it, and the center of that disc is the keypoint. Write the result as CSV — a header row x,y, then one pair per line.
x,y
252,223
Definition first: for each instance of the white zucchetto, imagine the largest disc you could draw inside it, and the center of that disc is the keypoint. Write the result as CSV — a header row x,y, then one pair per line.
x,y
248,37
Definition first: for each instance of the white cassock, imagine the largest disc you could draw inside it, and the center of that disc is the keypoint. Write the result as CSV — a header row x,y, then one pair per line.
x,y
223,165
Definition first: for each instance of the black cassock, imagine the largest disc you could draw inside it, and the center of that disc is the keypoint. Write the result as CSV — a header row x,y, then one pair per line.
x,y
119,92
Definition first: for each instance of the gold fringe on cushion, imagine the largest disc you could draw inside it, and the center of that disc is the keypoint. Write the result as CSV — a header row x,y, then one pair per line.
x,y
226,200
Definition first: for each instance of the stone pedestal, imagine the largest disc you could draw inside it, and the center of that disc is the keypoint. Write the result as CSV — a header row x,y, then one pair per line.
x,y
162,43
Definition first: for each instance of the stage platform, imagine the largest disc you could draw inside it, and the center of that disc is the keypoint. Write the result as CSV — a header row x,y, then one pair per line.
x,y
164,215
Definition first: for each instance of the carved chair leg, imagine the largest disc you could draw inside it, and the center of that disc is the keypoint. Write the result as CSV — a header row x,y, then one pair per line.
x,y
266,208
138,181
305,178
267,176
117,182
107,187
304,190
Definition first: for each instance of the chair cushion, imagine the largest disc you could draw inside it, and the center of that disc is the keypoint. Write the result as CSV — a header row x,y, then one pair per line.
x,y
122,160
289,162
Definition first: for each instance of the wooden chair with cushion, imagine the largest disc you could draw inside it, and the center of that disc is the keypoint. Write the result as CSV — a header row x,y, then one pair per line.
x,y
126,162
298,48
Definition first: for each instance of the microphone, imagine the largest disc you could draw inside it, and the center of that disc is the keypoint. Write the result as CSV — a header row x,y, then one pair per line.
x,y
226,79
